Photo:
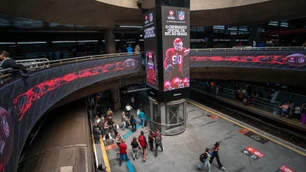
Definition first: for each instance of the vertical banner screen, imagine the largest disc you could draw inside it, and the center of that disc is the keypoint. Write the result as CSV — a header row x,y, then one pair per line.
x,y
149,20
176,47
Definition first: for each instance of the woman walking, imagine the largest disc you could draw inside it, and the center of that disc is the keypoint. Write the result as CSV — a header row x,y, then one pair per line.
x,y
135,147
205,161
215,151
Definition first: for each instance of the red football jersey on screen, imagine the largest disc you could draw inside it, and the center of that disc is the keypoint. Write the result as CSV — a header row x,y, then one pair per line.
x,y
175,58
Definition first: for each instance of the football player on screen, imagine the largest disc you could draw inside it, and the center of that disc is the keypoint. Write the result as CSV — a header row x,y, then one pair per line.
x,y
173,63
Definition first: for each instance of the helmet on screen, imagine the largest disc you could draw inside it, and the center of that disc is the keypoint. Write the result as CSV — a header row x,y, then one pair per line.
x,y
167,85
150,55
186,82
176,83
178,44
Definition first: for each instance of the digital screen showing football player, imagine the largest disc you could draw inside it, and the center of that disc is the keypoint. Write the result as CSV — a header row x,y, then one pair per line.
x,y
151,74
173,63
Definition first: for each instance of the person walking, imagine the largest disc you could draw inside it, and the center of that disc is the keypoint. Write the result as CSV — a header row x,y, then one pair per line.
x,y
142,117
118,139
97,134
135,147
133,123
125,121
143,143
215,153
151,140
158,142
128,109
123,152
204,158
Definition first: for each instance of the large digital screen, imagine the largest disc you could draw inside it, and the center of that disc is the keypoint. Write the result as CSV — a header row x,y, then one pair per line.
x,y
176,47
151,68
149,20
23,101
285,60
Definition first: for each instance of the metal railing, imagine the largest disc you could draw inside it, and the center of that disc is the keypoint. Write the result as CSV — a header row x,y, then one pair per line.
x,y
261,103
34,63
49,64
251,48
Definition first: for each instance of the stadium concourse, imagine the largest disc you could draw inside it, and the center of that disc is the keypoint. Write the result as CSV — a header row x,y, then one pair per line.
x,y
242,147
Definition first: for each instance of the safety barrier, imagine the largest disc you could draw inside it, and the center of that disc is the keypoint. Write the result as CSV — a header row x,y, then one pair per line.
x,y
261,103
41,64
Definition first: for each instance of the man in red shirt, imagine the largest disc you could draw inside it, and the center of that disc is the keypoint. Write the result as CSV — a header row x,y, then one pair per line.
x,y
123,151
143,142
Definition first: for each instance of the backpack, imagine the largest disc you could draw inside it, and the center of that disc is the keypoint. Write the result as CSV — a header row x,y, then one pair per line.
x,y
202,157
157,139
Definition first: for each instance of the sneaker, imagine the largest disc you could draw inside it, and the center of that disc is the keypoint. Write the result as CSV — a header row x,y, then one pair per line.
x,y
198,168
144,160
133,159
156,157
223,168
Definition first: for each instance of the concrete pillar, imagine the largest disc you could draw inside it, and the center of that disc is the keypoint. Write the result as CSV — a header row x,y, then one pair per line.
x,y
254,35
163,118
110,44
116,98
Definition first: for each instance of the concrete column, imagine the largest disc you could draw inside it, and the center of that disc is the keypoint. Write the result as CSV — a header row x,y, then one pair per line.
x,y
254,35
116,98
163,117
110,44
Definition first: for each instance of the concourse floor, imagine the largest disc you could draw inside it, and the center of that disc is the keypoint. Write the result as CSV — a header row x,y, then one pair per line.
x,y
181,152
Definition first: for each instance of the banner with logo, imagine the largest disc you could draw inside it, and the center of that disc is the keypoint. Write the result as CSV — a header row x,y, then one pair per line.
x,y
149,20
176,47
279,59
24,100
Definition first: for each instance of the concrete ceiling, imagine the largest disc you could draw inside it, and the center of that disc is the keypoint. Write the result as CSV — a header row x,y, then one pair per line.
x,y
109,13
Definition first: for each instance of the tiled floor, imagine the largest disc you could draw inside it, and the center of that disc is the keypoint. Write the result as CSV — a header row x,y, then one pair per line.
x,y
182,152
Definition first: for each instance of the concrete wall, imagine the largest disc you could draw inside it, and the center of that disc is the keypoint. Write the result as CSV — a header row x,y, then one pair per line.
x,y
196,5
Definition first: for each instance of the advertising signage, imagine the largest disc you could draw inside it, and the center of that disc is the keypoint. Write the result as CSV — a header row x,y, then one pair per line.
x,y
149,19
167,48
176,47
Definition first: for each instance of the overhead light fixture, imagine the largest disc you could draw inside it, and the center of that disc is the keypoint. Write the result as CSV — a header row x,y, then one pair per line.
x,y
57,42
85,41
41,42
125,26
7,43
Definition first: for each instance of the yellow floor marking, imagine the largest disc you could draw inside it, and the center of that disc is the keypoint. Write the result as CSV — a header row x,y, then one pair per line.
x,y
105,158
250,129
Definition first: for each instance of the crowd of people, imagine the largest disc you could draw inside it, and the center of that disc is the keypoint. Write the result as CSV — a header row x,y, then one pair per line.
x,y
105,128
140,144
249,96
294,111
